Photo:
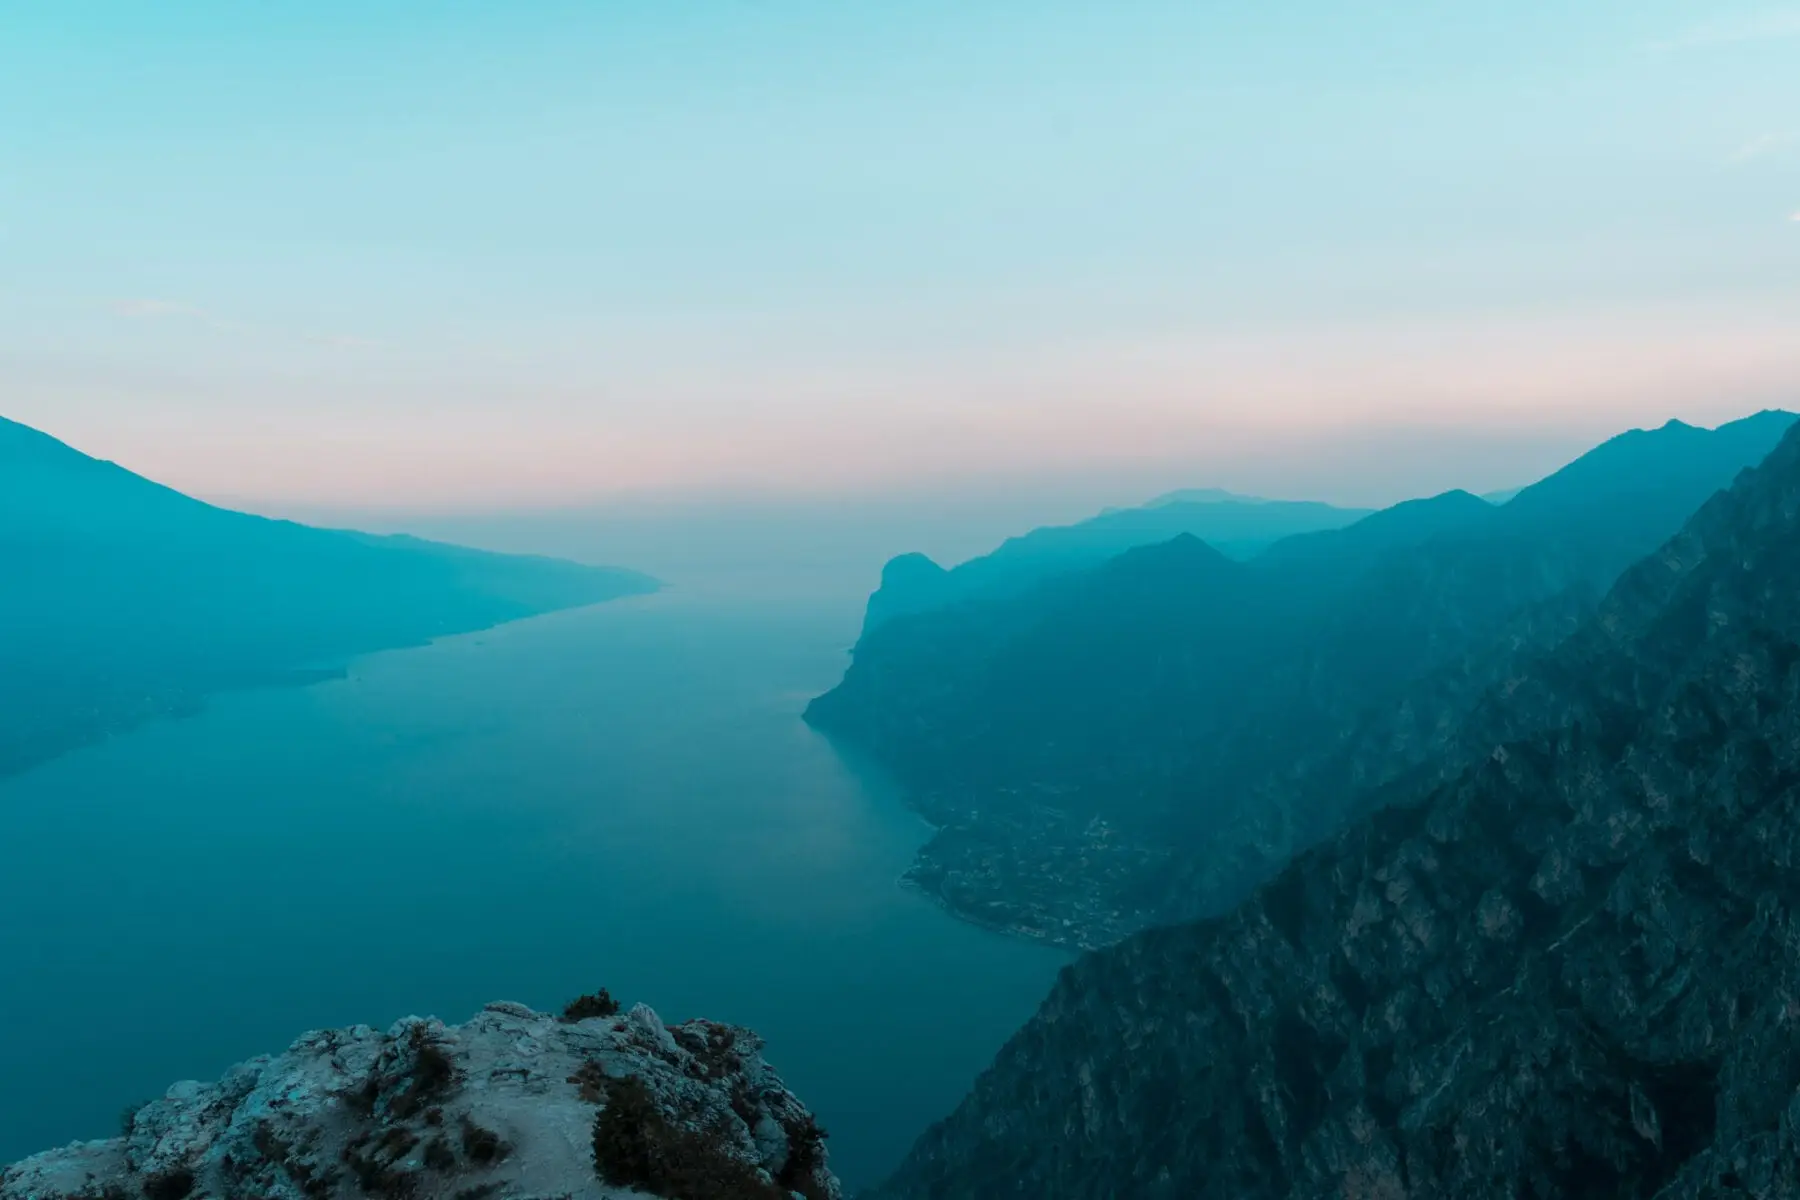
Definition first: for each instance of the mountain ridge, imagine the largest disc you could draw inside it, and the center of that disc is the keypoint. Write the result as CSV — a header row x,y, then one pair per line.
x,y
1238,526
1217,734
128,600
1563,970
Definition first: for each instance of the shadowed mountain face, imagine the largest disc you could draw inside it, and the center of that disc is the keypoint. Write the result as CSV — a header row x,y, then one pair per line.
x,y
1146,740
1236,526
1565,970
123,600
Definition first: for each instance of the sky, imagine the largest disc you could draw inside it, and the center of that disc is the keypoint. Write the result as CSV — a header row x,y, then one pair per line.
x,y
457,257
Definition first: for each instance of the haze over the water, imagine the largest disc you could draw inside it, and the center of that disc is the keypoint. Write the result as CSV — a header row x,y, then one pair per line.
x,y
462,257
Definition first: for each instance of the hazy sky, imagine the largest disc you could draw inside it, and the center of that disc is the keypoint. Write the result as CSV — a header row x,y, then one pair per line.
x,y
458,255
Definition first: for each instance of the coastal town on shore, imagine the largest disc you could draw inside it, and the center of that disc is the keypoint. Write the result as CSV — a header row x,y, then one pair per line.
x,y
1024,867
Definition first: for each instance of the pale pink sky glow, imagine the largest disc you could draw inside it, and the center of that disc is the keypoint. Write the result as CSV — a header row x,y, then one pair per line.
x,y
521,255
375,429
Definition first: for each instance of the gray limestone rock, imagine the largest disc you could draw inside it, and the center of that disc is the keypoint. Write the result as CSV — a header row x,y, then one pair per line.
x,y
502,1107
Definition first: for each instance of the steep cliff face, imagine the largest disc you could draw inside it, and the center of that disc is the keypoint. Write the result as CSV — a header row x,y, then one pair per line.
x,y
910,583
1568,970
512,1104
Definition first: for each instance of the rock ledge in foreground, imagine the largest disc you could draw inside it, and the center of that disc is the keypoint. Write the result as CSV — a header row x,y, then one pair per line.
x,y
505,1107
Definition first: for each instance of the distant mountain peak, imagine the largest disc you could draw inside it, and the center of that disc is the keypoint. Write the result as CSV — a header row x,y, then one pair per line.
x,y
1205,496
1627,463
905,567
1233,526
1407,523
1455,497
20,442
1182,548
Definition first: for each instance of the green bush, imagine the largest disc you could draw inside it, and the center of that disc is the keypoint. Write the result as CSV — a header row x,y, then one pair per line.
x,y
483,1146
637,1146
177,1184
599,1004
806,1157
433,1076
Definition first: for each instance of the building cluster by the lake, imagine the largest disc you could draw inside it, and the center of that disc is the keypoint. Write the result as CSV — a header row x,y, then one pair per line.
x,y
1029,868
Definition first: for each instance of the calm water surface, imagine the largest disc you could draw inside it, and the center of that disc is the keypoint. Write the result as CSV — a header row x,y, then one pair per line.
x,y
622,796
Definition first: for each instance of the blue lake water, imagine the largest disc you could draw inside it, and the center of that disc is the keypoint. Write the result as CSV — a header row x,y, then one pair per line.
x,y
621,796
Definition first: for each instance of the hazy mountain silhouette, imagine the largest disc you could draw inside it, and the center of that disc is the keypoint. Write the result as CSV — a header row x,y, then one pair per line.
x,y
125,600
1236,526
1220,718
1561,969
1405,524
1208,495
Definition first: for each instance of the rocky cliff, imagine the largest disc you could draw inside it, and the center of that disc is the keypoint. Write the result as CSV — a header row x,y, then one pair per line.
x,y
1568,970
512,1104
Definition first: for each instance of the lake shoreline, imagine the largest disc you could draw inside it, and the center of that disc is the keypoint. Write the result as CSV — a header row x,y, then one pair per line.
x,y
621,796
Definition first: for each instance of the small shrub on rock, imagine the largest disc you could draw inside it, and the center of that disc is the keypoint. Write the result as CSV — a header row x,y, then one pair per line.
x,y
128,1118
433,1076
591,1082
806,1158
637,1146
170,1185
483,1146
599,1004
378,1163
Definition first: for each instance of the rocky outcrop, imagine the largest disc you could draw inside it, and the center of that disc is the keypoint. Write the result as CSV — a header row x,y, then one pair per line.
x,y
1568,971
512,1104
